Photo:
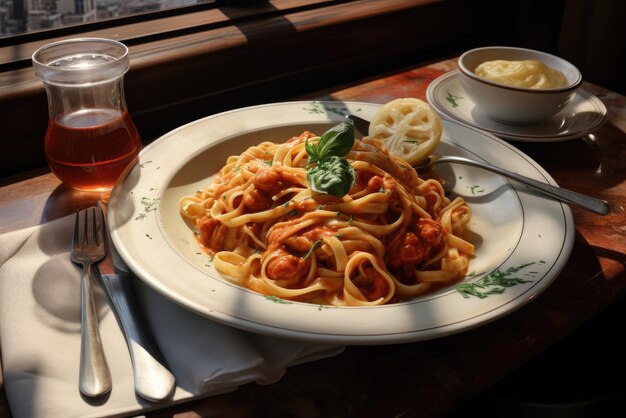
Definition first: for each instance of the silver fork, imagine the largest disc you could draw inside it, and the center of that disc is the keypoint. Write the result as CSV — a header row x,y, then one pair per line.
x,y
89,246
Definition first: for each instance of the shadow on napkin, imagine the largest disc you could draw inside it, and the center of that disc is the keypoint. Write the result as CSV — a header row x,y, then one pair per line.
x,y
40,338
56,289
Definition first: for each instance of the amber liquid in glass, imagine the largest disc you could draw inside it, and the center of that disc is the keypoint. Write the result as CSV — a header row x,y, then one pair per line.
x,y
88,149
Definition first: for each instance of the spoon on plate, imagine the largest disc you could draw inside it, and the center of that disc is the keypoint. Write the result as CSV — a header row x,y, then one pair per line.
x,y
589,203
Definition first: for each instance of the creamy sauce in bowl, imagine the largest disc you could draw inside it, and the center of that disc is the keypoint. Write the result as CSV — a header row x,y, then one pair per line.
x,y
526,73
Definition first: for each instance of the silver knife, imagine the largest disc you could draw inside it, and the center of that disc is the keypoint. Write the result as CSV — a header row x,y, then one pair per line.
x,y
153,381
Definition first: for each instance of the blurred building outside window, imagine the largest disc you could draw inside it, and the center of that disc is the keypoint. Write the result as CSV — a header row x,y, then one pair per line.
x,y
24,16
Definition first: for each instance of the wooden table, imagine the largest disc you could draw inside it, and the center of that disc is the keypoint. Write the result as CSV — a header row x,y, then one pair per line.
x,y
427,378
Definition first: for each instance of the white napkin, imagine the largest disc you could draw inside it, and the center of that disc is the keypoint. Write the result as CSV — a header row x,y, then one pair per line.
x,y
40,337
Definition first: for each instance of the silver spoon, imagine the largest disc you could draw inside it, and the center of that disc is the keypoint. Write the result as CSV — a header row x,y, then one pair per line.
x,y
589,203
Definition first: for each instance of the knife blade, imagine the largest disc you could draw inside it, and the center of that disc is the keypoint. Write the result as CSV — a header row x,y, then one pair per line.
x,y
153,381
361,125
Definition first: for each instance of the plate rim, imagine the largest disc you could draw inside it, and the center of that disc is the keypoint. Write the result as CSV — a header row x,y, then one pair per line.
x,y
395,337
586,95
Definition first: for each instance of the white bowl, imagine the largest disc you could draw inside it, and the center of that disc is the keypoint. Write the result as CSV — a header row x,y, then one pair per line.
x,y
516,105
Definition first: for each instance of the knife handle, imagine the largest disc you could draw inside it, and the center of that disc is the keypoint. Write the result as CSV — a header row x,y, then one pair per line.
x,y
153,381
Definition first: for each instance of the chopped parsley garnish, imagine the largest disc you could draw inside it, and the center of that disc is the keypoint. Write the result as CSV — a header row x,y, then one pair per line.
x,y
494,283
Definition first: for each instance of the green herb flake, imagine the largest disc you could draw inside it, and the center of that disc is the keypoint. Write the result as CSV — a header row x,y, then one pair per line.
x,y
313,247
315,108
476,189
320,109
268,162
452,99
149,205
276,299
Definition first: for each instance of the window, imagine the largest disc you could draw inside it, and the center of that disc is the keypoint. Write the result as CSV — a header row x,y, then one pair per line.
x,y
196,60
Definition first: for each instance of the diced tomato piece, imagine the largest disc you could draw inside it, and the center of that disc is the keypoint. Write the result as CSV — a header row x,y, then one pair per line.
x,y
429,231
209,235
286,267
256,200
375,184
408,250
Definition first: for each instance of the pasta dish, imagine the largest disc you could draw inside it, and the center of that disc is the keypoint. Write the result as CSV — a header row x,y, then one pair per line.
x,y
377,233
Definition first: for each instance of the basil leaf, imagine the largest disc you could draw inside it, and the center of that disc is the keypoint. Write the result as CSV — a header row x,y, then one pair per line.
x,y
337,141
312,151
334,175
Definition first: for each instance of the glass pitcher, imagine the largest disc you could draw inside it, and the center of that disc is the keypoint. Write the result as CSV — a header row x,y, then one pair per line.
x,y
90,137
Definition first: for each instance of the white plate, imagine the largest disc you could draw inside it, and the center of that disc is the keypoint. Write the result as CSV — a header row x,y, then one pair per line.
x,y
583,115
510,227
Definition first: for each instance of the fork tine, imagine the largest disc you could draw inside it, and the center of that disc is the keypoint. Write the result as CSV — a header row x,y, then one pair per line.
x,y
82,230
90,226
98,226
76,229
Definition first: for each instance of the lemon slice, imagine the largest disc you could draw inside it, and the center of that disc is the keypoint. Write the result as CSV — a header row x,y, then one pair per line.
x,y
409,128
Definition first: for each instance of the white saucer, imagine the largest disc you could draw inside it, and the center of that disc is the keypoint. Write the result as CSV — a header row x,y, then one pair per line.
x,y
583,115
